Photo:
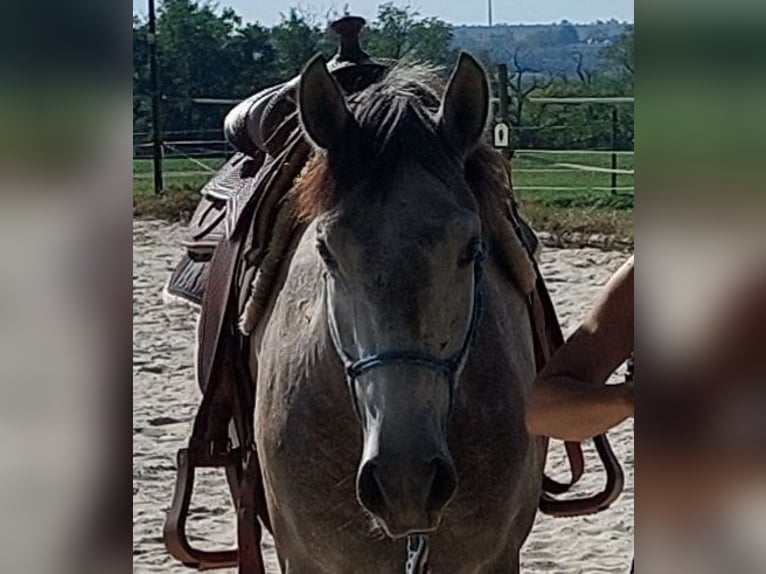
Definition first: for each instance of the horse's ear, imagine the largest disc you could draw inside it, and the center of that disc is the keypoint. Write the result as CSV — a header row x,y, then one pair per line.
x,y
465,107
322,108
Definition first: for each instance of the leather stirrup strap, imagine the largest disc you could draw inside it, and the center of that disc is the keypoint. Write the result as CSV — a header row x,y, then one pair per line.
x,y
209,444
576,469
250,558
548,338
597,502
222,375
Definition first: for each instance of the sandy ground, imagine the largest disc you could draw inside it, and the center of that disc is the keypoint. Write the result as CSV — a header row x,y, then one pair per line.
x,y
165,398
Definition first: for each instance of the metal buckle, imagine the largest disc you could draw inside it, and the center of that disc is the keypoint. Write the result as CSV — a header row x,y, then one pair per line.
x,y
417,554
174,532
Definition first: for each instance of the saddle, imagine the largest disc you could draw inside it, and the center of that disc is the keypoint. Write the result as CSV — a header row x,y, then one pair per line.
x,y
239,233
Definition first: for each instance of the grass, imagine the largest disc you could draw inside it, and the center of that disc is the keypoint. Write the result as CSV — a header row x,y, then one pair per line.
x,y
587,213
172,165
533,170
579,227
182,184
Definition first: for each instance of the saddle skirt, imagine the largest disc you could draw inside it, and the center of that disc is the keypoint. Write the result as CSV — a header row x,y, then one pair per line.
x,y
221,204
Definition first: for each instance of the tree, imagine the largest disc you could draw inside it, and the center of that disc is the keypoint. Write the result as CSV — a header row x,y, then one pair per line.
x,y
585,76
194,61
295,40
620,54
398,33
141,89
201,53
521,90
388,35
430,39
566,33
208,52
255,60
587,126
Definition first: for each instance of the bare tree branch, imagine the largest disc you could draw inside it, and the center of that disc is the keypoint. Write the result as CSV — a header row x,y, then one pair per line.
x,y
536,85
585,75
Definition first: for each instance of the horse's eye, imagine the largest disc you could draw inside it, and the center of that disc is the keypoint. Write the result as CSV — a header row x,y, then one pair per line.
x,y
324,253
474,253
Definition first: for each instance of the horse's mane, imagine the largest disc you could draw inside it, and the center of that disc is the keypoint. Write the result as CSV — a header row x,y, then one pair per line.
x,y
397,118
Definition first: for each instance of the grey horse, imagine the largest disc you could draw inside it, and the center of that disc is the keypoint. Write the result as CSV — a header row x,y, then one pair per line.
x,y
393,361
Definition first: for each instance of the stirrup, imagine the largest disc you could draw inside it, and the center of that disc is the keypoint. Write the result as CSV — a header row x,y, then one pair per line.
x,y
174,532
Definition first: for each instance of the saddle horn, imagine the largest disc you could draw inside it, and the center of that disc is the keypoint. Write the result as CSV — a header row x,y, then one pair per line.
x,y
352,67
347,29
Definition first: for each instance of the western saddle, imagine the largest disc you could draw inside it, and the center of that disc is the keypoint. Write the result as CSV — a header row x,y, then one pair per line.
x,y
236,239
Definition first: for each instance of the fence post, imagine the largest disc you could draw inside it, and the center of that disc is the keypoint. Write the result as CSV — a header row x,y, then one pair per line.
x,y
614,149
156,128
502,91
502,95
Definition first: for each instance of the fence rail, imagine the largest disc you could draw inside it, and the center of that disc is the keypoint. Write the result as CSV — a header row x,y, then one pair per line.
x,y
188,153
546,171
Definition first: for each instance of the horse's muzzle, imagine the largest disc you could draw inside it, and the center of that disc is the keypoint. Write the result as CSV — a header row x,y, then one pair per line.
x,y
406,497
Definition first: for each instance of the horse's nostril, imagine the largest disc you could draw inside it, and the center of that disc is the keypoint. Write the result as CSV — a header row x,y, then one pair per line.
x,y
368,489
443,485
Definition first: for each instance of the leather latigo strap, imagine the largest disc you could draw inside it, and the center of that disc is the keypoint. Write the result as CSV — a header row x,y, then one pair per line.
x,y
548,338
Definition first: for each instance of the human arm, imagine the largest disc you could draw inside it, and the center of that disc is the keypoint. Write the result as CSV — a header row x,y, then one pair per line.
x,y
569,399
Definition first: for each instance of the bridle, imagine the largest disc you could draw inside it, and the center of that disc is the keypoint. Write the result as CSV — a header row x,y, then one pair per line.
x,y
450,368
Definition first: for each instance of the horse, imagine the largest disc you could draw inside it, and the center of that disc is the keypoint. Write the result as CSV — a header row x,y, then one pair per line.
x,y
394,358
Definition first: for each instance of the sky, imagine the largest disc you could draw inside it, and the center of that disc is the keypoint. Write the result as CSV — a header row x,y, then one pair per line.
x,y
452,11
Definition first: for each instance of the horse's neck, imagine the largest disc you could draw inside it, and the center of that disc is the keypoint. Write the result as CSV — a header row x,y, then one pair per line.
x,y
298,277
507,325
295,327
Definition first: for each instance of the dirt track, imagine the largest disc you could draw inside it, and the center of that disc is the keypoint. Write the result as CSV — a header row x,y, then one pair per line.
x,y
165,398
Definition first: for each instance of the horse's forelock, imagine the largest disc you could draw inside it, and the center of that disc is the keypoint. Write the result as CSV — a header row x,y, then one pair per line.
x,y
396,118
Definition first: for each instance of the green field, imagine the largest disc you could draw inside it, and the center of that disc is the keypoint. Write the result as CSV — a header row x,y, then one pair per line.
x,y
562,185
143,167
567,200
586,189
179,174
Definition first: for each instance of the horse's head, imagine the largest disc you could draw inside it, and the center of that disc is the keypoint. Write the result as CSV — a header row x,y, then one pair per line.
x,y
400,234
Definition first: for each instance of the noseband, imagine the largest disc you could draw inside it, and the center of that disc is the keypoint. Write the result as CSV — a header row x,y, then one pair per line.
x,y
450,367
